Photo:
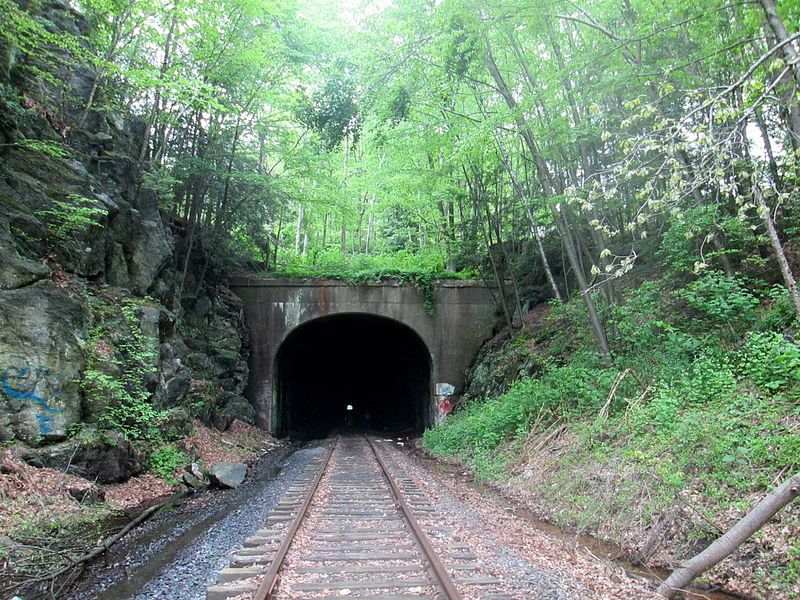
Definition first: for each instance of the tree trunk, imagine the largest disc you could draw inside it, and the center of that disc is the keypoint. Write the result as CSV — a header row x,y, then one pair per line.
x,y
487,234
541,167
730,541
547,270
223,207
780,256
278,240
370,223
546,181
792,57
298,232
572,254
162,72
534,227
779,30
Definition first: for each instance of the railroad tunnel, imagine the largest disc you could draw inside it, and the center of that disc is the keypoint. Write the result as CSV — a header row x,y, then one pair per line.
x,y
352,372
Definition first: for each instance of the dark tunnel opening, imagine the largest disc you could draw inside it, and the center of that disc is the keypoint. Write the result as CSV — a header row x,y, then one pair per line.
x,y
352,372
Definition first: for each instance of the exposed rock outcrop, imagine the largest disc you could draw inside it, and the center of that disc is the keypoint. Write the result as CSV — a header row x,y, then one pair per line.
x,y
104,457
41,361
90,270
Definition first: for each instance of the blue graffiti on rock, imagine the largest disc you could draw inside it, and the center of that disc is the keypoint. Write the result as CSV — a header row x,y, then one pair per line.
x,y
20,384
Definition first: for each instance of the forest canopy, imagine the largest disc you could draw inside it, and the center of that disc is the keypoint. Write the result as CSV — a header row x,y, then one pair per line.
x,y
549,146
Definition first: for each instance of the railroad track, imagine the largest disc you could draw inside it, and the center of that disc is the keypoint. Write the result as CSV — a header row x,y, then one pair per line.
x,y
354,525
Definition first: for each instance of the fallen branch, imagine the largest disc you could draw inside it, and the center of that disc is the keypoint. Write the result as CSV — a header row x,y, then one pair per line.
x,y
735,537
106,545
604,411
550,436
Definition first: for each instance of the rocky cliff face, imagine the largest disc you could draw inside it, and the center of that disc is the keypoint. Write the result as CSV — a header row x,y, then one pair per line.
x,y
93,325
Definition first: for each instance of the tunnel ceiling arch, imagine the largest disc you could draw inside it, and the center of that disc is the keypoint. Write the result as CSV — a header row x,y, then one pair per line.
x,y
352,371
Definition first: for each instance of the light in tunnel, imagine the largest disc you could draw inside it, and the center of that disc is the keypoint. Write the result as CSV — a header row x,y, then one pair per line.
x,y
328,366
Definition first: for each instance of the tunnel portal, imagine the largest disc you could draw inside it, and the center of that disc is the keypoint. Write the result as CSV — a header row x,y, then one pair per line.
x,y
352,372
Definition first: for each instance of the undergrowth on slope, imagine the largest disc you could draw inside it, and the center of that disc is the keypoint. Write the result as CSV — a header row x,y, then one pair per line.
x,y
701,401
165,460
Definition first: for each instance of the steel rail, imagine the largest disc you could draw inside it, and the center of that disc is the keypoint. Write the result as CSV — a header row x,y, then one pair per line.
x,y
267,587
445,581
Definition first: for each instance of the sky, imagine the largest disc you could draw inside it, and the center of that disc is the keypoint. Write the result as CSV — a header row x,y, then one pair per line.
x,y
352,12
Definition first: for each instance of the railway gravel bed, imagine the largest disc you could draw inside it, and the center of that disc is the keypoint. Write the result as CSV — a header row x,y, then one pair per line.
x,y
368,521
528,558
352,539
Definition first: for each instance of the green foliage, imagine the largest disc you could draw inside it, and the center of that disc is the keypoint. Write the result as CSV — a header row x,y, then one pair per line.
x,y
562,391
420,271
71,217
695,407
55,150
333,111
720,299
771,362
778,314
12,113
118,367
686,245
165,460
21,30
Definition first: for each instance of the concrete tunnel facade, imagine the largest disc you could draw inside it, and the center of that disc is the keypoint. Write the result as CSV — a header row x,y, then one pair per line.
x,y
324,353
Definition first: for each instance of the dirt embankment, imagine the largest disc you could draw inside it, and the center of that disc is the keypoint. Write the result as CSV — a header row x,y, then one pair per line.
x,y
49,518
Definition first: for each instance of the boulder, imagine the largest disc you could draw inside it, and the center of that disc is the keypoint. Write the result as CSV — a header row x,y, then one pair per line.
x,y
193,482
228,474
41,361
196,470
102,456
194,477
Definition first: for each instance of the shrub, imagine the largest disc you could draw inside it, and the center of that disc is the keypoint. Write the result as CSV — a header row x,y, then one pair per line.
x,y
165,460
477,430
720,299
116,375
779,312
771,362
69,218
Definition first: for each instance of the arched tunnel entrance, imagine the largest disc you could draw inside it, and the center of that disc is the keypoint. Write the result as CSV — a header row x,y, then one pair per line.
x,y
352,372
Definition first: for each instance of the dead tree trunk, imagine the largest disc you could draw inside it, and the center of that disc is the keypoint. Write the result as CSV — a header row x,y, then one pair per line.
x,y
780,256
736,535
